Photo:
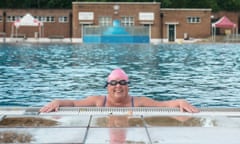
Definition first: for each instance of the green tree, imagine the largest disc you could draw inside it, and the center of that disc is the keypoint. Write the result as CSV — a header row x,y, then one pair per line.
x,y
166,3
203,4
229,5
215,5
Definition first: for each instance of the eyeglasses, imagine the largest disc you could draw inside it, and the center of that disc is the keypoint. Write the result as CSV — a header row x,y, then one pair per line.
x,y
114,82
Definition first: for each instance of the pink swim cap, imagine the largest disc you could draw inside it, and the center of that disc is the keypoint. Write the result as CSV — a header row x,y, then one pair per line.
x,y
117,74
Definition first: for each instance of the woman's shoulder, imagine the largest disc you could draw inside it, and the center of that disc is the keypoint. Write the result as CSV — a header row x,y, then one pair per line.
x,y
99,100
96,98
140,97
142,101
90,101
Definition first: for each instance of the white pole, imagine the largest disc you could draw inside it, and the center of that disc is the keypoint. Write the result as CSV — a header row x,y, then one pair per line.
x,y
16,31
42,30
12,32
39,30
236,33
212,33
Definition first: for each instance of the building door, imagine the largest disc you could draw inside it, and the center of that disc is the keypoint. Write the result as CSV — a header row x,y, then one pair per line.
x,y
85,32
148,33
171,33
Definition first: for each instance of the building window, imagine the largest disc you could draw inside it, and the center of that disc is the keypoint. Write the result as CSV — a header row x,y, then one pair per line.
x,y
105,21
193,20
127,21
1,19
13,18
40,18
63,19
50,19
45,18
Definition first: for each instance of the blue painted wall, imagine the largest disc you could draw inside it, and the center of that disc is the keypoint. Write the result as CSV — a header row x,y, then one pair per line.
x,y
115,34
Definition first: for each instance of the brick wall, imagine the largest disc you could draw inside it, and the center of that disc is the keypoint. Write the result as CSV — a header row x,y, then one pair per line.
x,y
125,9
72,28
50,28
195,30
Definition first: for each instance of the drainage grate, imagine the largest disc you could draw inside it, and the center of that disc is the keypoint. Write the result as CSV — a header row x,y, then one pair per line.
x,y
64,111
134,111
124,110
32,111
152,111
220,109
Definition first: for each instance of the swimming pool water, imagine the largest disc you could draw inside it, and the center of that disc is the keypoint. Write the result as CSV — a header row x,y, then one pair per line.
x,y
207,75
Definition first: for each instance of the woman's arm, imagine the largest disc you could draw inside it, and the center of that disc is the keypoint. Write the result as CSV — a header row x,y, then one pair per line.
x,y
89,101
55,104
182,104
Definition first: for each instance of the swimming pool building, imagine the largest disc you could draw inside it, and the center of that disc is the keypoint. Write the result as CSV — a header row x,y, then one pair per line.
x,y
92,18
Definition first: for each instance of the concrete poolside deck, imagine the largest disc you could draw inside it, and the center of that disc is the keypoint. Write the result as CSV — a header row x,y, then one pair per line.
x,y
40,40
79,40
61,39
91,125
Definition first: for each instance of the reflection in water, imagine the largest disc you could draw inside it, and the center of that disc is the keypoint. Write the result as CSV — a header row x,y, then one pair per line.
x,y
120,121
130,121
14,137
178,121
118,127
117,135
118,124
26,122
18,136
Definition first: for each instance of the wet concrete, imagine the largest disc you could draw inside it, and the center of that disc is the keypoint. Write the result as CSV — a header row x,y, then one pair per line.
x,y
15,137
26,122
127,128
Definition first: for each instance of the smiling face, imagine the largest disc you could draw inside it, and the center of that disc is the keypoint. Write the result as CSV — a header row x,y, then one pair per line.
x,y
118,91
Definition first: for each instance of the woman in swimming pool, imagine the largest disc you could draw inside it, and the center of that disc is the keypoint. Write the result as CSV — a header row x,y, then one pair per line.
x,y
117,86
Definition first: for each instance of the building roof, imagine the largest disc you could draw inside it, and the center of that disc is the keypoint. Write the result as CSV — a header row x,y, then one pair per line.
x,y
110,3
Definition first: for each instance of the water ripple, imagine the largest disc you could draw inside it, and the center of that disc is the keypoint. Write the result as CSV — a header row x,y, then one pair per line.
x,y
207,75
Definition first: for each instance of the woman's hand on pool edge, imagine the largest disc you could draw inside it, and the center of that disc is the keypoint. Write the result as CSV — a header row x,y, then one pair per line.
x,y
52,106
182,104
186,107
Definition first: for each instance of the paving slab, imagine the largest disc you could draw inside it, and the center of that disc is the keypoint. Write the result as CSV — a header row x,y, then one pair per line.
x,y
196,135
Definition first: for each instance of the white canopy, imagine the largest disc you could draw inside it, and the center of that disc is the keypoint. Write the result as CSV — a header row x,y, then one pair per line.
x,y
27,20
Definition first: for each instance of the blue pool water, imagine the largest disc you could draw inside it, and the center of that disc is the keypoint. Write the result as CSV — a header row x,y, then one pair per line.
x,y
207,75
